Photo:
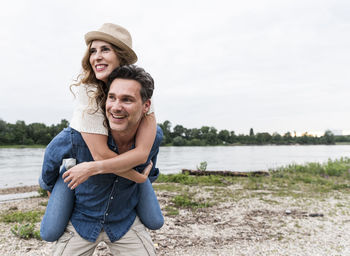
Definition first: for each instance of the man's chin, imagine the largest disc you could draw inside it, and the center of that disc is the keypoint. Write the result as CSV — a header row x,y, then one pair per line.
x,y
117,127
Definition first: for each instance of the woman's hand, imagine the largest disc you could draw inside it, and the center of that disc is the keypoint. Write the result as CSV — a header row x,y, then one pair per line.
x,y
147,170
78,174
136,176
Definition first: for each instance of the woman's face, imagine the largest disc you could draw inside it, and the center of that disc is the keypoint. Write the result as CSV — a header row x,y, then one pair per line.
x,y
103,59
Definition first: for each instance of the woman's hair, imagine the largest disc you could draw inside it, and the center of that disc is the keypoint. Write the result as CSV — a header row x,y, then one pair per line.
x,y
87,76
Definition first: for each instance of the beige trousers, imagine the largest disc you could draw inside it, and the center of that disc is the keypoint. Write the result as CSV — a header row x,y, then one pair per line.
x,y
136,241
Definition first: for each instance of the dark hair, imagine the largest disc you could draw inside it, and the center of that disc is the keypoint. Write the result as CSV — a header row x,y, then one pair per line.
x,y
136,73
132,72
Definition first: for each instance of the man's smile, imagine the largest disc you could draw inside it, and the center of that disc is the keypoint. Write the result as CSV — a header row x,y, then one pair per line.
x,y
119,116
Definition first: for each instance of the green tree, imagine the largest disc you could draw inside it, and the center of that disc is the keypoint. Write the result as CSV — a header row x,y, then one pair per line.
x,y
166,127
329,137
179,141
224,136
263,138
179,130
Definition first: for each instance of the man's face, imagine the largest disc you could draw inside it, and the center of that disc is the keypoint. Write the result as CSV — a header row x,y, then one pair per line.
x,y
124,107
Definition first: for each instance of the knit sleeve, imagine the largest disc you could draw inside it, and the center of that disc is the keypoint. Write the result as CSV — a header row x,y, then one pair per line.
x,y
85,117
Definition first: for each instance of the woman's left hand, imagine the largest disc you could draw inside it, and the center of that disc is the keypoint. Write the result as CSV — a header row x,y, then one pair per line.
x,y
77,174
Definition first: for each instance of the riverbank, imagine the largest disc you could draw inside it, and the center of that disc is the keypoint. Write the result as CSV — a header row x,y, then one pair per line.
x,y
221,145
302,210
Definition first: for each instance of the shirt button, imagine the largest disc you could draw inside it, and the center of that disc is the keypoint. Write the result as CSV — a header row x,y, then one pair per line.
x,y
107,214
111,197
116,181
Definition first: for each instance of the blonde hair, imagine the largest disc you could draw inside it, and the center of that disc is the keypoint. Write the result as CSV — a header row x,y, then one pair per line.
x,y
87,76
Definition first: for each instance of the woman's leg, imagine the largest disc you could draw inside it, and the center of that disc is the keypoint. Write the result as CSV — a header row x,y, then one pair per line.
x,y
58,210
148,208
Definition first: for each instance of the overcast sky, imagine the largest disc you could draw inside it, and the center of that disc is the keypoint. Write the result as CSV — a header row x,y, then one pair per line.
x,y
273,65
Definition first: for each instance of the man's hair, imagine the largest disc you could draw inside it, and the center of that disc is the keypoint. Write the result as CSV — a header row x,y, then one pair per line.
x,y
136,73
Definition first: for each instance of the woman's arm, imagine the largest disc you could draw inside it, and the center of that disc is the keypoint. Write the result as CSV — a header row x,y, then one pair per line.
x,y
144,140
117,164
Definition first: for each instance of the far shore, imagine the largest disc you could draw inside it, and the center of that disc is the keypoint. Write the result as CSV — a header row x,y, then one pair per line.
x,y
223,145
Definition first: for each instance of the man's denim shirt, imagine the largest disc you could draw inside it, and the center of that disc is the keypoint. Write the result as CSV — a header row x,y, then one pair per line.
x,y
104,201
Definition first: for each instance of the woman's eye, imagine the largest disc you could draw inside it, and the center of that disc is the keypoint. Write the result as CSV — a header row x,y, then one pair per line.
x,y
105,49
92,51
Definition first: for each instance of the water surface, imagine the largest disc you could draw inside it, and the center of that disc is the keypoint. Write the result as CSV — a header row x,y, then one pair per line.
x,y
22,166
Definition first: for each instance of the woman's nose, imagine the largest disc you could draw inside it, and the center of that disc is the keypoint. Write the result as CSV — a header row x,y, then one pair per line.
x,y
97,55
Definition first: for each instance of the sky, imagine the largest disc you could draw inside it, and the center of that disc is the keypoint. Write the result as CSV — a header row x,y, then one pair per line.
x,y
270,65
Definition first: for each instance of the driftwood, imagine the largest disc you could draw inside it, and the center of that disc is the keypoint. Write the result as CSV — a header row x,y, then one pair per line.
x,y
225,173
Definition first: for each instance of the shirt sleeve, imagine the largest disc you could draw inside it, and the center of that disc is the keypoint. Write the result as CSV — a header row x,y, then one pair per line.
x,y
154,173
87,116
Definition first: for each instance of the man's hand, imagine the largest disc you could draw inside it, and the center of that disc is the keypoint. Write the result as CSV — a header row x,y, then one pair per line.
x,y
77,174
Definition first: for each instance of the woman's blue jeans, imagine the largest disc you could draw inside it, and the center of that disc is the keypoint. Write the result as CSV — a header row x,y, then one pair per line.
x,y
61,204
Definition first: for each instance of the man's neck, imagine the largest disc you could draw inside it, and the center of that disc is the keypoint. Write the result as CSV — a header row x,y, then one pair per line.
x,y
124,140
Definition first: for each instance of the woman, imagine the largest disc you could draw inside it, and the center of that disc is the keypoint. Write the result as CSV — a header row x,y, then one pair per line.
x,y
108,48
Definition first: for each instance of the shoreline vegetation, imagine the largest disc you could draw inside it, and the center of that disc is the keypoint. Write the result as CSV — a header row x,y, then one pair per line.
x,y
295,210
21,135
169,145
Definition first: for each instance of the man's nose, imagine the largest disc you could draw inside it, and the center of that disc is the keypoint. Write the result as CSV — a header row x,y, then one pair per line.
x,y
117,106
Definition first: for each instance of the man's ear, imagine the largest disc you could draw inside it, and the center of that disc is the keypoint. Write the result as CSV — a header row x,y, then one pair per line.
x,y
146,106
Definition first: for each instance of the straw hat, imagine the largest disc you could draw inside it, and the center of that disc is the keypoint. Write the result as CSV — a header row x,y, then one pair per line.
x,y
114,34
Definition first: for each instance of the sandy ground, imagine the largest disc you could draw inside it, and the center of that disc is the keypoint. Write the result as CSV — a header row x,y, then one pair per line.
x,y
246,225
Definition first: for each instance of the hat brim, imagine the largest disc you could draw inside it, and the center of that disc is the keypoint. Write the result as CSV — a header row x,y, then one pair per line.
x,y
97,35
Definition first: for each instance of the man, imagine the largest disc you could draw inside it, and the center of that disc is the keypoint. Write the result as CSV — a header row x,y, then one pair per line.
x,y
104,208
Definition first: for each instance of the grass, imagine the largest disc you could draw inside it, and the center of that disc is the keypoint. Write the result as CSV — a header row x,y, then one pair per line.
x,y
187,179
42,192
171,211
26,231
22,146
171,187
25,223
296,181
20,217
185,201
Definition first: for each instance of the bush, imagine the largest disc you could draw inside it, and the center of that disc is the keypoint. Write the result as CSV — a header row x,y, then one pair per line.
x,y
26,231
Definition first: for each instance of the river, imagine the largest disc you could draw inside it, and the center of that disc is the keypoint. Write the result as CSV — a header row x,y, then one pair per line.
x,y
19,167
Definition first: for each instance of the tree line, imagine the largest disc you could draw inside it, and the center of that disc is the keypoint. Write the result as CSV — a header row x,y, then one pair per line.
x,y
181,136
31,134
41,134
